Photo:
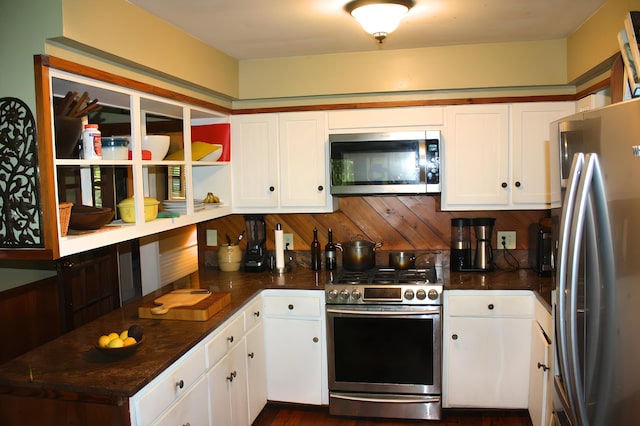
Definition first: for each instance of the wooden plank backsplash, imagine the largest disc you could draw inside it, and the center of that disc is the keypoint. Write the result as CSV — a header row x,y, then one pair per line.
x,y
399,222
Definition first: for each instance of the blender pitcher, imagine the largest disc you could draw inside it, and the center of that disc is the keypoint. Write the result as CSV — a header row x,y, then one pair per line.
x,y
255,256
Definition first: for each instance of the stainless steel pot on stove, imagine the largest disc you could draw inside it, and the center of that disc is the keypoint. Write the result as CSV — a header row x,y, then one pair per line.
x,y
358,255
402,260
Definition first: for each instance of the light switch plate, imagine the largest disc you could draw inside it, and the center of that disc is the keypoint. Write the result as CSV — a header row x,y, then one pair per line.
x,y
212,237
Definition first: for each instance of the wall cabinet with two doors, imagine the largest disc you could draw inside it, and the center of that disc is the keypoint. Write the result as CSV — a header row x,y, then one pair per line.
x,y
133,110
499,156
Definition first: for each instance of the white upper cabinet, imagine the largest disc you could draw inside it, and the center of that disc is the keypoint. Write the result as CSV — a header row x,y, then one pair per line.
x,y
498,156
282,163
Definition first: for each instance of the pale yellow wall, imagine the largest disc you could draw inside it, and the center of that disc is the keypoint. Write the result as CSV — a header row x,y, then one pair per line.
x,y
122,31
426,69
596,40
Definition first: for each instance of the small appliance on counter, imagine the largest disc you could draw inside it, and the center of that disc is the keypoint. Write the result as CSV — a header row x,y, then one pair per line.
x,y
462,257
541,248
255,256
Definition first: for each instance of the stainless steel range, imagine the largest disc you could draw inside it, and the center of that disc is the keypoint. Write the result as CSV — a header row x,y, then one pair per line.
x,y
384,341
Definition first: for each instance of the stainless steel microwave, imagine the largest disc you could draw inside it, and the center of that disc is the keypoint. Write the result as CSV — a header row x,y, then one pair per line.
x,y
385,163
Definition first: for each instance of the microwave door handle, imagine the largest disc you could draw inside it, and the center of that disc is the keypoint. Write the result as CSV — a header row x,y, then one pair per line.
x,y
565,242
422,161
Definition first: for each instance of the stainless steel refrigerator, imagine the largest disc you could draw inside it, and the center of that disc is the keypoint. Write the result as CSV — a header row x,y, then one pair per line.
x,y
597,296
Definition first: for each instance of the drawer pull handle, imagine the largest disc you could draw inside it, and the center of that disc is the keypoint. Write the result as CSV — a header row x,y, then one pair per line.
x,y
230,339
232,376
320,187
180,384
256,314
271,189
251,355
315,340
490,306
544,367
290,307
454,337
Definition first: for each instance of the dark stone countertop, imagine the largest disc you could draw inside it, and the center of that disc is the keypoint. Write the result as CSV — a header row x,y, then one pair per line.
x,y
71,368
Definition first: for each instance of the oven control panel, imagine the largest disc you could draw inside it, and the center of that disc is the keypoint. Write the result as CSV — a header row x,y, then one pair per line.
x,y
376,294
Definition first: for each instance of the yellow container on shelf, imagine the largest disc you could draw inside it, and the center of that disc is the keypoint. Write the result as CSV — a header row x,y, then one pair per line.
x,y
127,209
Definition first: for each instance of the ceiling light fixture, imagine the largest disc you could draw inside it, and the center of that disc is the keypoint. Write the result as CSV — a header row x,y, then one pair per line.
x,y
379,17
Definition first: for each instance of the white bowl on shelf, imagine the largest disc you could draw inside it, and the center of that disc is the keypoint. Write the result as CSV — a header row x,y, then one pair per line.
x,y
158,145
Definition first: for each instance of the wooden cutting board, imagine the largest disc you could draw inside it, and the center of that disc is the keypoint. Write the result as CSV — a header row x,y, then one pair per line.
x,y
185,304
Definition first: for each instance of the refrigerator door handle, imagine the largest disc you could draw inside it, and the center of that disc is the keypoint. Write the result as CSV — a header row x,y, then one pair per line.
x,y
591,204
565,242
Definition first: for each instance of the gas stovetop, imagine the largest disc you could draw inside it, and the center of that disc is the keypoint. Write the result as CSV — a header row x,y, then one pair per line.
x,y
420,286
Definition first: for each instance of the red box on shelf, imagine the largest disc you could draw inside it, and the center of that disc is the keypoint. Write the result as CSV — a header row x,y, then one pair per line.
x,y
214,133
146,155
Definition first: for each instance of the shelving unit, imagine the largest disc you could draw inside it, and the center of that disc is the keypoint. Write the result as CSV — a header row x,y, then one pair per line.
x,y
133,109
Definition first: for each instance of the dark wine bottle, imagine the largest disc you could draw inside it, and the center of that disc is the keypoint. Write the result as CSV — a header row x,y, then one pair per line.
x,y
316,262
330,253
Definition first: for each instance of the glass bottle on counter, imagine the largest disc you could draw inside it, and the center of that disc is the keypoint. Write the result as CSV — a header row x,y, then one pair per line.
x,y
316,262
330,253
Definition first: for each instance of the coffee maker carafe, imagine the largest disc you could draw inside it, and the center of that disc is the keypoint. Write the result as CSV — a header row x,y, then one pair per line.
x,y
484,252
255,256
462,258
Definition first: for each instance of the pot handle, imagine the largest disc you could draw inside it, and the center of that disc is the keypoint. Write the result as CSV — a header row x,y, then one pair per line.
x,y
339,246
377,246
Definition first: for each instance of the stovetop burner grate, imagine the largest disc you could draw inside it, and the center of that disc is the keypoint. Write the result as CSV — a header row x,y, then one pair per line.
x,y
387,276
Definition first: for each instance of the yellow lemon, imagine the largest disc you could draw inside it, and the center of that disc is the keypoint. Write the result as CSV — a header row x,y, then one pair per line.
x,y
124,335
129,341
116,343
114,335
103,341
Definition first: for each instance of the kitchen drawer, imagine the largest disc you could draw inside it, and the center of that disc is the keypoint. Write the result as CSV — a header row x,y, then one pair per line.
x,y
191,409
253,314
226,339
174,382
293,306
490,305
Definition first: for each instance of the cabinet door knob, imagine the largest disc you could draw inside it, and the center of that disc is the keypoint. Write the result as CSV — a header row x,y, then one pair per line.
x,y
504,184
251,355
490,306
230,339
256,314
315,340
291,307
454,337
180,384
320,187
518,184
232,376
543,366
271,188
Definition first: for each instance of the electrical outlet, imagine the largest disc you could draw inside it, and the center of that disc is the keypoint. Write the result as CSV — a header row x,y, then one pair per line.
x,y
212,237
509,238
288,239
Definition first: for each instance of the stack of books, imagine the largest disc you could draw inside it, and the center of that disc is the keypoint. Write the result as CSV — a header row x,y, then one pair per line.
x,y
628,41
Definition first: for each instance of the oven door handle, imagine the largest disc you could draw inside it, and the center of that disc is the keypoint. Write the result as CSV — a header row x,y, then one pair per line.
x,y
407,400
434,311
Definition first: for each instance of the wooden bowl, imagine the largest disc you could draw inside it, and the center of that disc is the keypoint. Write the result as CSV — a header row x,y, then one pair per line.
x,y
89,218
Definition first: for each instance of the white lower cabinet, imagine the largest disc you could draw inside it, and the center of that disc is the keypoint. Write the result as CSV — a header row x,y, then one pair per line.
x,y
191,409
295,346
228,389
539,380
256,371
486,348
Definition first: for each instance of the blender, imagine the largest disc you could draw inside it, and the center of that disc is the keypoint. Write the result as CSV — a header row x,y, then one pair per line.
x,y
460,244
255,255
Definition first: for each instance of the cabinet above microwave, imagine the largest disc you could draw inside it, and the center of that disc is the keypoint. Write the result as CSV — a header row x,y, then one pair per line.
x,y
385,163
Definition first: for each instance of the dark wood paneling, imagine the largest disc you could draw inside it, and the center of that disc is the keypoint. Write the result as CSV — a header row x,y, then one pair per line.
x,y
30,316
399,222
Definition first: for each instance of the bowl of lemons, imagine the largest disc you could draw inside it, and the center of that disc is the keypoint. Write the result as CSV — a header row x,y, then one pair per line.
x,y
121,344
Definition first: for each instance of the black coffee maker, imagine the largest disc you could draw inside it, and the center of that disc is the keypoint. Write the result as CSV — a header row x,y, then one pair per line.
x,y
255,256
462,258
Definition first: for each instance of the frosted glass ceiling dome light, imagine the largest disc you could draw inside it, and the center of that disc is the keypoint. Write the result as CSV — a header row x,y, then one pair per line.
x,y
379,17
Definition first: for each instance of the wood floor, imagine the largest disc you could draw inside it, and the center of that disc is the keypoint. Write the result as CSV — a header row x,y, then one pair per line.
x,y
296,415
